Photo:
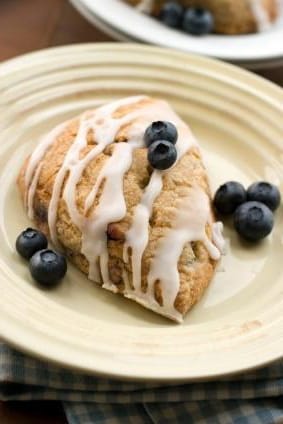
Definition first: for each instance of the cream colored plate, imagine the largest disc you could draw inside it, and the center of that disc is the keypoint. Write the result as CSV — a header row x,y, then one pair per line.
x,y
238,119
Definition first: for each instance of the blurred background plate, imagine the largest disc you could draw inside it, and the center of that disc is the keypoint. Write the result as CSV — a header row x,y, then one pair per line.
x,y
125,23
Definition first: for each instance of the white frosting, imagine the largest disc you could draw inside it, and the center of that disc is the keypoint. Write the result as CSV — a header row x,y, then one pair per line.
x,y
260,14
191,218
111,208
31,176
137,236
217,236
105,131
279,7
190,223
31,192
94,227
145,6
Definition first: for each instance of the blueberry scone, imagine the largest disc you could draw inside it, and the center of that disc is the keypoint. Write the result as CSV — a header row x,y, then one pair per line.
x,y
130,210
230,16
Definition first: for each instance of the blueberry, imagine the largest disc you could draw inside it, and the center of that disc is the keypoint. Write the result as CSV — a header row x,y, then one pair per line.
x,y
171,14
47,267
265,193
198,21
228,197
29,242
160,130
162,154
253,221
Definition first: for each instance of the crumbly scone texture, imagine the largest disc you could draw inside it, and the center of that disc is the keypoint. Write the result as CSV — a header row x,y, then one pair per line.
x,y
195,266
231,16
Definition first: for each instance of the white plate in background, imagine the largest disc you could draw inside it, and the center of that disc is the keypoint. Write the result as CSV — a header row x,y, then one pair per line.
x,y
125,23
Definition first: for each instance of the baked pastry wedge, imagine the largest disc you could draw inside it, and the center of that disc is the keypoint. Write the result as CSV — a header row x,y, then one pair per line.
x,y
230,16
145,233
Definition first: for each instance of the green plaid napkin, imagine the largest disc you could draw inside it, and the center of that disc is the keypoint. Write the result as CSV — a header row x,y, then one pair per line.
x,y
252,398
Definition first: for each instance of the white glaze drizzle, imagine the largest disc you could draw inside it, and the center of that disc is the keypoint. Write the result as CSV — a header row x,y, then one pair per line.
x,y
137,236
104,135
260,15
279,7
71,159
217,236
145,6
95,226
111,206
31,191
31,176
189,225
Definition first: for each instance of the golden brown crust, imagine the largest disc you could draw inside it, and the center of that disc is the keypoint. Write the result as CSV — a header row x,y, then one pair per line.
x,y
231,16
195,266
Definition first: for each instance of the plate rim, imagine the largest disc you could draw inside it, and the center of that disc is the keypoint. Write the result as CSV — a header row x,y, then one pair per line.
x,y
268,88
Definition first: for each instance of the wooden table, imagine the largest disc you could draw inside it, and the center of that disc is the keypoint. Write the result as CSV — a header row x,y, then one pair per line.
x,y
25,26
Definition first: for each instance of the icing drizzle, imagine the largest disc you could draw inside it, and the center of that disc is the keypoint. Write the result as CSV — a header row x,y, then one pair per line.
x,y
145,6
260,14
191,219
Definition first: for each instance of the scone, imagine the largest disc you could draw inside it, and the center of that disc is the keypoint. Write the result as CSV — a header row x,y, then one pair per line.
x,y
231,16
147,234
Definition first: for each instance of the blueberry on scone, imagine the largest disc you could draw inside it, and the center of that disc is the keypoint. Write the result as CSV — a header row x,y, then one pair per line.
x,y
160,130
162,154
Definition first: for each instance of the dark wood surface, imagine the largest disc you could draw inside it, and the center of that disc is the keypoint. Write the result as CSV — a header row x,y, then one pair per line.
x,y
25,26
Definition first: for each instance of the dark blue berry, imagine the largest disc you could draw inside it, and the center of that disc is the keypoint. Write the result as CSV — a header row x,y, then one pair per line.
x,y
265,193
253,221
29,242
198,21
160,130
48,267
228,197
162,154
171,14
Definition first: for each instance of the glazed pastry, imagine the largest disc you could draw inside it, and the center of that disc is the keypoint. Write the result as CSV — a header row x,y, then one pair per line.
x,y
231,16
147,234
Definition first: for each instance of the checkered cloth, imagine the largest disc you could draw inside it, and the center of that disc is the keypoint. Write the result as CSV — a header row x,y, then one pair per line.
x,y
253,398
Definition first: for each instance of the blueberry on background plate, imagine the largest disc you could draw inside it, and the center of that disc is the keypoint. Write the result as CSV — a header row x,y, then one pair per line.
x,y
171,14
29,242
48,267
160,130
162,154
198,21
253,221
266,193
229,196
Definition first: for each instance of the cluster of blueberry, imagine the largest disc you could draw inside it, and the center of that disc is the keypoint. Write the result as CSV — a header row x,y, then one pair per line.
x,y
46,266
252,209
160,138
193,20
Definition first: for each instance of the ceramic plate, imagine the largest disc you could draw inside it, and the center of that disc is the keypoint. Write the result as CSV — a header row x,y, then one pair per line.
x,y
237,118
124,19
